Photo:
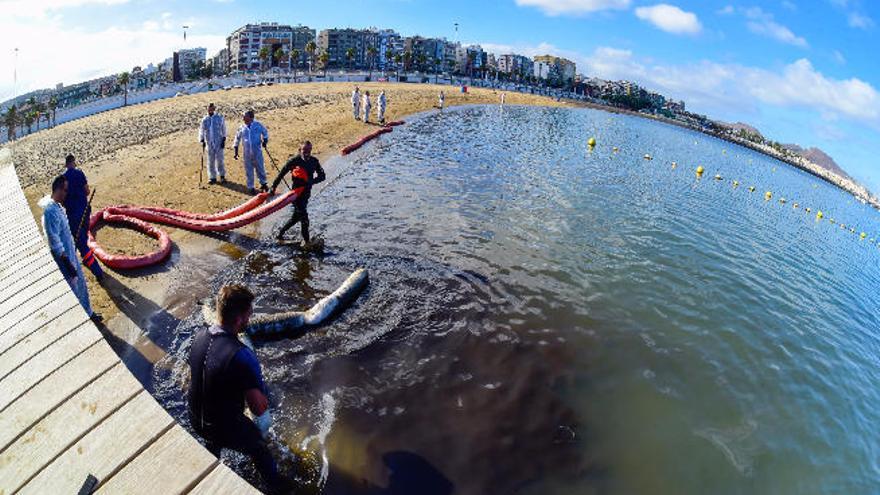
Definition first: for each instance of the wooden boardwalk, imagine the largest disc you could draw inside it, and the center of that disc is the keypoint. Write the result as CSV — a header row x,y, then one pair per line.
x,y
68,406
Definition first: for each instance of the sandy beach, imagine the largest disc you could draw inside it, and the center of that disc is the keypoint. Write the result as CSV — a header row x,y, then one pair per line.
x,y
149,155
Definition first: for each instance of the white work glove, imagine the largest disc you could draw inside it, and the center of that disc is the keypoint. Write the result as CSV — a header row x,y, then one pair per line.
x,y
264,423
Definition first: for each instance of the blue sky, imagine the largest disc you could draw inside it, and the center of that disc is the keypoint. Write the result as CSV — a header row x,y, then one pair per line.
x,y
801,71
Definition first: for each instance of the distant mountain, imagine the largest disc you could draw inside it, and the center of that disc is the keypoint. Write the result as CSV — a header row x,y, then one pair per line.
x,y
738,126
820,158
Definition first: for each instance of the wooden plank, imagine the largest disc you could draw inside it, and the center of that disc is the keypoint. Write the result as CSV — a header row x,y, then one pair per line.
x,y
27,293
51,358
223,480
34,321
106,449
31,345
44,270
60,290
25,263
55,389
173,464
52,435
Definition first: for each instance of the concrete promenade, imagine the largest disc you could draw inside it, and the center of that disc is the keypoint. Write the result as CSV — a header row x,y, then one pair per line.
x,y
69,408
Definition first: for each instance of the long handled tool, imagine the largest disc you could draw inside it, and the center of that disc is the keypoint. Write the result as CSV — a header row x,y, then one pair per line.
x,y
89,256
277,169
202,167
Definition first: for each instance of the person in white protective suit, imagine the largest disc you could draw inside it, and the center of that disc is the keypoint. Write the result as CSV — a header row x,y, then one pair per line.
x,y
442,100
212,135
380,107
253,137
356,103
61,245
366,105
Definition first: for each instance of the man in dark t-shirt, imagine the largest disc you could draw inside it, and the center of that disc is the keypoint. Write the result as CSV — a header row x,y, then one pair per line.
x,y
313,175
226,376
78,212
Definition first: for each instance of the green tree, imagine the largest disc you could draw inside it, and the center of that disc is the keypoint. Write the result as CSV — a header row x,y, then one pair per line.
x,y
294,61
407,60
264,56
53,106
10,120
324,58
372,51
123,79
422,60
278,55
311,49
398,58
29,117
389,56
349,55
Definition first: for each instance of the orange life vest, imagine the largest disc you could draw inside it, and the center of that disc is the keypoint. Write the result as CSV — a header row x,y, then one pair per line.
x,y
299,173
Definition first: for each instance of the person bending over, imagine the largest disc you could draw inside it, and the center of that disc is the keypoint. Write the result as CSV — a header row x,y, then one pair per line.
x,y
305,171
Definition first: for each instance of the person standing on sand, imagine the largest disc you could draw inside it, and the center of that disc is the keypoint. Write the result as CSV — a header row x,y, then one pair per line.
x,y
57,232
502,98
225,376
380,107
442,99
253,136
366,107
212,135
76,204
356,103
315,174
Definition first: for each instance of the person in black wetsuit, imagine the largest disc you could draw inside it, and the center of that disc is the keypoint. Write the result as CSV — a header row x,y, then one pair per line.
x,y
315,174
225,375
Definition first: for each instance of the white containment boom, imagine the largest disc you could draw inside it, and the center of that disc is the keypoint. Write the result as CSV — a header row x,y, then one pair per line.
x,y
267,325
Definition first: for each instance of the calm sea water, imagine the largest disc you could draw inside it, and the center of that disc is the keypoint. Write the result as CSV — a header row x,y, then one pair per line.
x,y
543,318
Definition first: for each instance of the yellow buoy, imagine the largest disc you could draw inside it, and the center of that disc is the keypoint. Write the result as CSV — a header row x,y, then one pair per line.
x,y
700,170
751,188
794,205
782,200
863,235
717,177
768,195
591,142
736,183
648,157
615,149
807,210
819,214
674,165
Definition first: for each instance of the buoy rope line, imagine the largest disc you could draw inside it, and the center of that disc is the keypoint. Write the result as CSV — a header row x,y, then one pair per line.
x,y
768,196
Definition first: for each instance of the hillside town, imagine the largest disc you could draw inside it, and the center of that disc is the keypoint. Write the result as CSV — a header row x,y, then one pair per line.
x,y
269,51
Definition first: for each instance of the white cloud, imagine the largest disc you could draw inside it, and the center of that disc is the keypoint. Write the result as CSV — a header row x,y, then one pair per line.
x,y
726,10
860,21
789,5
670,18
838,57
559,7
762,23
43,62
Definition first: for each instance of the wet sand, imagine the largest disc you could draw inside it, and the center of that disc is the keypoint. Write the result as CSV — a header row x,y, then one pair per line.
x,y
149,155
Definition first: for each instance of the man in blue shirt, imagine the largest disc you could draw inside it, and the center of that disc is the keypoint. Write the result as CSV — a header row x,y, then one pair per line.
x,y
78,212
226,376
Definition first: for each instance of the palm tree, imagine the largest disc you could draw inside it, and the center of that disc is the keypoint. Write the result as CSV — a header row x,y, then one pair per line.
x,y
311,48
349,55
277,55
10,119
123,79
264,55
294,61
436,63
422,59
389,56
40,110
398,58
29,117
407,60
53,106
371,57
324,57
